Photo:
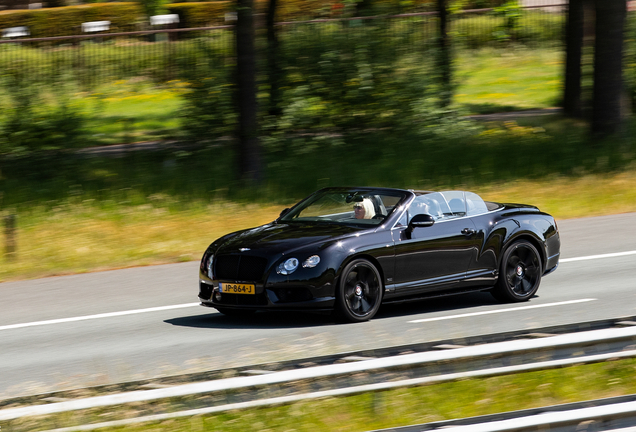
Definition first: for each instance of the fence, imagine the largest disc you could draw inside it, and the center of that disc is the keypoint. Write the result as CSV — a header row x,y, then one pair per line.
x,y
164,55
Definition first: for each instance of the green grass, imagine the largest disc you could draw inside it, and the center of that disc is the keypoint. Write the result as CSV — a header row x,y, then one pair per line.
x,y
392,408
136,119
130,111
490,80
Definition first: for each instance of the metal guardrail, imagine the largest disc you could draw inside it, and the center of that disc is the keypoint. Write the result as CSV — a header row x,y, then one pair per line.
x,y
364,375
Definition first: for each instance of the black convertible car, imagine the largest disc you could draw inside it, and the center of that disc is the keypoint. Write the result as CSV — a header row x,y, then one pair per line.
x,y
350,249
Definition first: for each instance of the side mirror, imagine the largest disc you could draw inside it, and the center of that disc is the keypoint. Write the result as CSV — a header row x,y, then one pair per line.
x,y
284,212
419,221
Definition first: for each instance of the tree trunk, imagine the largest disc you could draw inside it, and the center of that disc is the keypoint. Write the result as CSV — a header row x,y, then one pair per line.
x,y
573,52
273,66
249,154
608,67
444,58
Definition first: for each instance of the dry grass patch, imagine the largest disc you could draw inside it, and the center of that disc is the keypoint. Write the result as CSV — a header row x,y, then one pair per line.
x,y
567,198
83,237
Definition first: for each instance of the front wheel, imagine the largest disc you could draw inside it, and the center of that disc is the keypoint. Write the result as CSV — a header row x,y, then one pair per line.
x,y
519,274
359,291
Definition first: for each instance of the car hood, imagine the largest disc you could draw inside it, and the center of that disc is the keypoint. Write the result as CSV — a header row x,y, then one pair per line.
x,y
277,238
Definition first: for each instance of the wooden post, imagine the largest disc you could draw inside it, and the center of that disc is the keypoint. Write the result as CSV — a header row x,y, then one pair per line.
x,y
10,236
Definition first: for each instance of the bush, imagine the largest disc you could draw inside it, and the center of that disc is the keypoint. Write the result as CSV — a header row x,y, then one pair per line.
x,y
208,112
476,30
32,122
202,14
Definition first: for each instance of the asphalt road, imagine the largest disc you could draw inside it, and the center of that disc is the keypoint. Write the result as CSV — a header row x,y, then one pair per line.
x,y
68,332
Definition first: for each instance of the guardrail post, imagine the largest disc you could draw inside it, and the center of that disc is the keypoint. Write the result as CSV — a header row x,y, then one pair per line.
x,y
10,243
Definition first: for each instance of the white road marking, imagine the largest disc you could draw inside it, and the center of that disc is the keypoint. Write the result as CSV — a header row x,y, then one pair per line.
x,y
503,310
590,257
97,316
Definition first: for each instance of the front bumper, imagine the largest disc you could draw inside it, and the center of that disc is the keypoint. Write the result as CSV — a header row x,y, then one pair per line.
x,y
279,297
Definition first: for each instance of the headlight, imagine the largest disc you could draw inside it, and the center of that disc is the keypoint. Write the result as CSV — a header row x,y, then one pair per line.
x,y
312,261
287,267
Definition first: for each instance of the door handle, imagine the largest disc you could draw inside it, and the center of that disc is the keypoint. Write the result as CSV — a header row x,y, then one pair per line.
x,y
468,231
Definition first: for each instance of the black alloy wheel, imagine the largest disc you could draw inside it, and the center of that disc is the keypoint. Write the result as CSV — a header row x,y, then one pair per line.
x,y
520,273
359,291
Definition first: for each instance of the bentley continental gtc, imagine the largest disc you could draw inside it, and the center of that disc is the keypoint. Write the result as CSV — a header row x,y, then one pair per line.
x,y
348,250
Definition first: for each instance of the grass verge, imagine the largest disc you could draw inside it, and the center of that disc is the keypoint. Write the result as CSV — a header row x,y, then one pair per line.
x,y
495,80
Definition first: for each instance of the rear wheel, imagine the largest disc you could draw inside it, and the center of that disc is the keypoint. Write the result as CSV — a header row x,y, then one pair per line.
x,y
359,291
519,274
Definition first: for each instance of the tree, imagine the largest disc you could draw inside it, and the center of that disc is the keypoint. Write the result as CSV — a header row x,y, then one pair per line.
x,y
249,151
573,51
608,67
273,66
444,57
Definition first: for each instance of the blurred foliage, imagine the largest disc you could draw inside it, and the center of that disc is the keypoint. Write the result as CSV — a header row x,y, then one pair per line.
x,y
95,64
353,78
335,77
127,16
629,63
208,111
299,163
153,7
531,28
34,121
296,10
200,14
457,5
495,80
511,11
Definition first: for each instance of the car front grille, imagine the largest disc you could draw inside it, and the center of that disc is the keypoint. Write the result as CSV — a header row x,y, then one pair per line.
x,y
240,267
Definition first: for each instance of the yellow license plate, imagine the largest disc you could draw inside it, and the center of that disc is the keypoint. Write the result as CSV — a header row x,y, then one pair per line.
x,y
231,288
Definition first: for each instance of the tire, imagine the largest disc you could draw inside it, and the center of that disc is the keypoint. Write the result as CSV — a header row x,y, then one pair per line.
x,y
359,292
236,313
519,273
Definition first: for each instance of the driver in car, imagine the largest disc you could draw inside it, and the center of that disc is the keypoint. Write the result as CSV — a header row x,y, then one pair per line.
x,y
364,209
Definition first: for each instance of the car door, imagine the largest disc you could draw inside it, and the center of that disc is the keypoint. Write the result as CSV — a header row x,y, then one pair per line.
x,y
434,257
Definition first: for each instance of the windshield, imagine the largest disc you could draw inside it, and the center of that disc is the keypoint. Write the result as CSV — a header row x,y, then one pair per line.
x,y
346,206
